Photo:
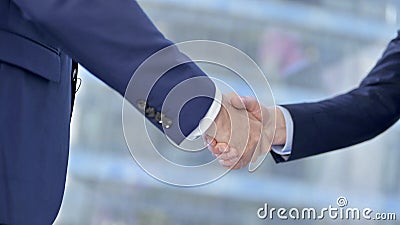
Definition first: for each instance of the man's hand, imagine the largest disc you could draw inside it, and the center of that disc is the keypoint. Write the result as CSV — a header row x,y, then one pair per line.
x,y
238,129
271,134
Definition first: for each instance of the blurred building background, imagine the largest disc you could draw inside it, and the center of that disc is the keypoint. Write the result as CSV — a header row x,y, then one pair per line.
x,y
309,50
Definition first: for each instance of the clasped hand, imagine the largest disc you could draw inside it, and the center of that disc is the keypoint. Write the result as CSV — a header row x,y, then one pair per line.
x,y
243,131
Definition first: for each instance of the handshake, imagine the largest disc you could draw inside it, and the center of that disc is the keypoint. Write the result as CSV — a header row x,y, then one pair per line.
x,y
243,131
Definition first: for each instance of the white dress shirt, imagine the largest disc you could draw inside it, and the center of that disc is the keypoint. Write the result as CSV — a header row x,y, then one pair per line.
x,y
209,118
285,150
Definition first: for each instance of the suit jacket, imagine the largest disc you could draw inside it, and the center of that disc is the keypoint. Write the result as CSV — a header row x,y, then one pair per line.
x,y
351,118
37,41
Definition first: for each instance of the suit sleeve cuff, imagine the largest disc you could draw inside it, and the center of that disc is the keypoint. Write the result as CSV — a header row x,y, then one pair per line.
x,y
285,150
209,118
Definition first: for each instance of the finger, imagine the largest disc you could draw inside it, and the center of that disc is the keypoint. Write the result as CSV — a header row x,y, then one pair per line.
x,y
238,102
211,144
221,148
252,106
234,152
228,155
210,141
214,151
232,161
228,163
250,103
231,153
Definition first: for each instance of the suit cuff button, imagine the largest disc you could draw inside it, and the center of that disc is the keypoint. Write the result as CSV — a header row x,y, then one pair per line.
x,y
159,117
150,112
141,104
167,123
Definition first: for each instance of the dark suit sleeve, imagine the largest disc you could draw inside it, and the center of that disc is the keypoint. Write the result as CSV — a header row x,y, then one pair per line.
x,y
111,39
351,118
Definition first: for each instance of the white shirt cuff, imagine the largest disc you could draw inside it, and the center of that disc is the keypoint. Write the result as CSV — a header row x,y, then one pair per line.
x,y
209,118
285,150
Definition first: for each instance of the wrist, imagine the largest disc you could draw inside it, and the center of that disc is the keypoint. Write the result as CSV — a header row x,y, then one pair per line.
x,y
221,123
280,130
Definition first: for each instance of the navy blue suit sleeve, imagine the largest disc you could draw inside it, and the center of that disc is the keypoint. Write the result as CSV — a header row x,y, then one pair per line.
x,y
112,39
351,118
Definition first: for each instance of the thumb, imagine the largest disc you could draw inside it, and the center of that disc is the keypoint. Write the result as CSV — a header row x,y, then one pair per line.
x,y
249,103
239,102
